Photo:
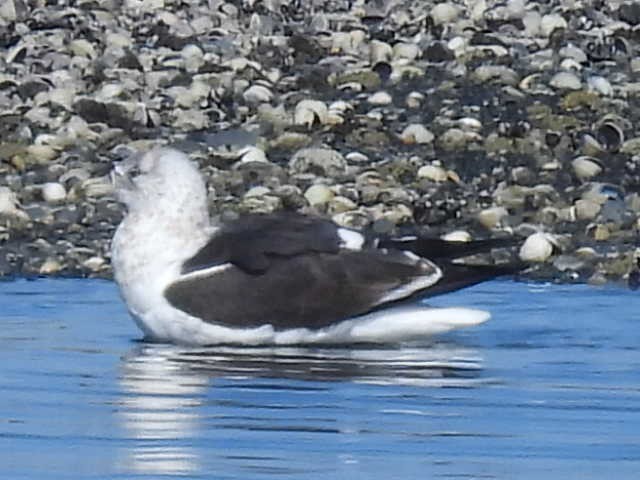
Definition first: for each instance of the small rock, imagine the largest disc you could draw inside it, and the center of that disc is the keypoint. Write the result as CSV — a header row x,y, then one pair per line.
x,y
491,217
433,173
357,158
380,98
82,48
49,267
53,192
94,264
257,94
600,233
324,161
9,205
565,81
257,191
308,112
40,154
551,22
318,194
586,167
538,247
444,13
408,51
456,139
341,204
586,209
600,85
414,100
416,133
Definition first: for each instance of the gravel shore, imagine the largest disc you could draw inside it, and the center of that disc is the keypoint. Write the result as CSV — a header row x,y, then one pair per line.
x,y
466,119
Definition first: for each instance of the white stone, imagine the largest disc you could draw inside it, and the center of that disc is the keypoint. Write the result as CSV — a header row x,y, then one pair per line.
x,y
193,58
433,172
491,217
9,204
380,98
145,5
573,52
49,267
257,191
8,201
309,111
566,81
318,195
586,209
458,45
408,51
532,22
585,167
444,13
380,51
470,123
414,99
251,154
357,157
41,153
600,85
53,192
8,11
551,22
416,133
257,94
538,247
82,48
94,264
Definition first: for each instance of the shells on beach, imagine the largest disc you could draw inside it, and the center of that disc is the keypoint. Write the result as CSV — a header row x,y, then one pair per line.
x,y
446,116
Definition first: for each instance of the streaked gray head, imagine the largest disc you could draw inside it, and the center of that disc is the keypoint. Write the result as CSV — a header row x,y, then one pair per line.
x,y
162,178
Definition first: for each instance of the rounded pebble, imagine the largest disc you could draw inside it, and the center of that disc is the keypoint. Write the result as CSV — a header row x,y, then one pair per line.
x,y
536,248
53,192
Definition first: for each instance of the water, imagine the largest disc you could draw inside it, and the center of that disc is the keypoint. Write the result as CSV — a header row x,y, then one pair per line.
x,y
549,388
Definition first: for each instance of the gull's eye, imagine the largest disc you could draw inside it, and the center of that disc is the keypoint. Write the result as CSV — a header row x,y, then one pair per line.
x,y
134,171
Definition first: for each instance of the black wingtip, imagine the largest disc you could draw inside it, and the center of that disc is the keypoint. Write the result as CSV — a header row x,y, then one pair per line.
x,y
458,276
436,249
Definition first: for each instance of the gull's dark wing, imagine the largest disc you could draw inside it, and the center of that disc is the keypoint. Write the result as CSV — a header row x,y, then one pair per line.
x,y
311,290
292,271
254,241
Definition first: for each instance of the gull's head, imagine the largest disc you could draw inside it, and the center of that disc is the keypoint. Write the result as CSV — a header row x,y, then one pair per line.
x,y
162,179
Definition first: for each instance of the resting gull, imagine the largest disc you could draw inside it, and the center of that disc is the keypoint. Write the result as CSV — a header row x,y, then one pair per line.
x,y
282,278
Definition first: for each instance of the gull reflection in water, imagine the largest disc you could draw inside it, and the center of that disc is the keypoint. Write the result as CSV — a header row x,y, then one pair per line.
x,y
159,410
166,388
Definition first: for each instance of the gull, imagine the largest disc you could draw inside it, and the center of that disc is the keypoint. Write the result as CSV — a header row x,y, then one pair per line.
x,y
280,279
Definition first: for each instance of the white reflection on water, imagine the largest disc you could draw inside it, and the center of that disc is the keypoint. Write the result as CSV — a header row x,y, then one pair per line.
x,y
157,408
165,388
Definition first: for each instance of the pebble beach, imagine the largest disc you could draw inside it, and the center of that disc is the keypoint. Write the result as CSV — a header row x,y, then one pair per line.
x,y
462,120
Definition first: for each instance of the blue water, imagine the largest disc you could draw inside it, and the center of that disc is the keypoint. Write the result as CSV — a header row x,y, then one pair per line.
x,y
549,388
